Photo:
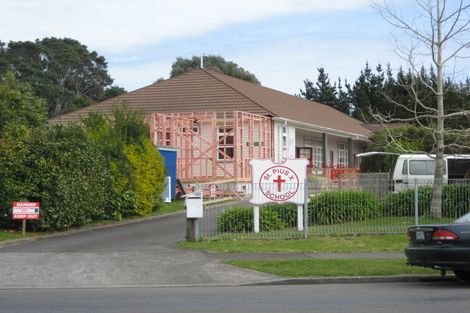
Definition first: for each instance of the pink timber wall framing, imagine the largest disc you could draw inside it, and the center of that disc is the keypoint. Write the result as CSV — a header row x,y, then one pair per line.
x,y
214,146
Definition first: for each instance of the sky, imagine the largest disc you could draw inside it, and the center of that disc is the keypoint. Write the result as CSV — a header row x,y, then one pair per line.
x,y
282,42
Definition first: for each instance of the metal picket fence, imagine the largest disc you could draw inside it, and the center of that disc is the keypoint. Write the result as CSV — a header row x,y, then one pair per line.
x,y
346,206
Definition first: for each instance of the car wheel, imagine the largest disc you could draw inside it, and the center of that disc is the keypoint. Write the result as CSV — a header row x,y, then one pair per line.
x,y
465,276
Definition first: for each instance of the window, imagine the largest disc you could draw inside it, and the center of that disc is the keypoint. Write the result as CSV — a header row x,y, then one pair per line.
x,y
342,160
404,170
308,141
423,167
318,154
284,141
225,144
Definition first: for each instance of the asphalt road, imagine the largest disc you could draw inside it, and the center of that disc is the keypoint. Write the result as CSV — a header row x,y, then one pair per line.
x,y
132,255
141,236
351,298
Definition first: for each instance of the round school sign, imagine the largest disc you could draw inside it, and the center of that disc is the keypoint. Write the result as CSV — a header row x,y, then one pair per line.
x,y
278,182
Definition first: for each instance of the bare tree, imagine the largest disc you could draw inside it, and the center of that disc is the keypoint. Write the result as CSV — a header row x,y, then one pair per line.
x,y
439,34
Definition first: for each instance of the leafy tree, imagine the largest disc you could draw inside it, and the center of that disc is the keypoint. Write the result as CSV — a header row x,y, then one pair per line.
x,y
62,71
343,99
113,91
213,62
368,92
403,138
19,105
322,91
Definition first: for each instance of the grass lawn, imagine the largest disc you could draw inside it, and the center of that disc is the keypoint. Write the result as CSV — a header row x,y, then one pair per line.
x,y
9,235
6,234
344,244
332,268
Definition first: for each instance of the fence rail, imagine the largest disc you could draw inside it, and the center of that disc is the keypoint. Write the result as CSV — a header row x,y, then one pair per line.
x,y
347,206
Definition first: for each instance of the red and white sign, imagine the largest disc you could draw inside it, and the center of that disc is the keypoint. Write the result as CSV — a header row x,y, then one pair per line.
x,y
278,182
26,210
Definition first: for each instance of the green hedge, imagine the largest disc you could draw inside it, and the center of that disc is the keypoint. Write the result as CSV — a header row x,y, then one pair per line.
x,y
337,207
286,212
240,219
455,201
403,203
58,167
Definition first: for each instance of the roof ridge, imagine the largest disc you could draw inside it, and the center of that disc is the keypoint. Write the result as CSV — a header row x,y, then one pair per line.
x,y
238,91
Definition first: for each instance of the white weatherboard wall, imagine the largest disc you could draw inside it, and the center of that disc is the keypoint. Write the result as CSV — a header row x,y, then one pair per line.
x,y
284,142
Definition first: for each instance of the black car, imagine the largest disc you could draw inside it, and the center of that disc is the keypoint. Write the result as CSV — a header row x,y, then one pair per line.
x,y
442,247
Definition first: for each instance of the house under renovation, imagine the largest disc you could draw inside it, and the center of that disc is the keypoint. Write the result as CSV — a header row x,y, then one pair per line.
x,y
218,123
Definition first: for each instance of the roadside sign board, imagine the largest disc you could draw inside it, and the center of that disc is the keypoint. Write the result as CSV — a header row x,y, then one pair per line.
x,y
26,210
278,182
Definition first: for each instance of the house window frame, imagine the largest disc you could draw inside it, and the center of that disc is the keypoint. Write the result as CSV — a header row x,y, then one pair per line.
x,y
318,154
284,142
224,133
342,155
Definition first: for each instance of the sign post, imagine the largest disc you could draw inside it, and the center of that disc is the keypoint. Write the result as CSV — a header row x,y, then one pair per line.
x,y
280,183
25,211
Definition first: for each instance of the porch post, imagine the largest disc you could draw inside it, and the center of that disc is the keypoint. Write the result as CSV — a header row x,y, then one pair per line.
x,y
325,149
350,153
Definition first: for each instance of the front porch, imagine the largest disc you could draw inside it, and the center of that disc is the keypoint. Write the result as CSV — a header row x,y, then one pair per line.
x,y
330,153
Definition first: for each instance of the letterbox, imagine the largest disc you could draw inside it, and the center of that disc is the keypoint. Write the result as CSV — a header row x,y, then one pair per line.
x,y
194,206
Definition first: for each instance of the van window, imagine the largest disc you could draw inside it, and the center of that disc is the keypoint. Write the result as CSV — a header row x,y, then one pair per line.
x,y
423,167
404,170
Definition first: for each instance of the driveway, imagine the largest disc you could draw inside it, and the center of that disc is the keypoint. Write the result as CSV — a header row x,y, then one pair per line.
x,y
137,254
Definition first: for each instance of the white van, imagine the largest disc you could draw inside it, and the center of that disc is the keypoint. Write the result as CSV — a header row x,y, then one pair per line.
x,y
409,168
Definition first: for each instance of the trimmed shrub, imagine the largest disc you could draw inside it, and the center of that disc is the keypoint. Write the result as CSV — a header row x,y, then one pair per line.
x,y
58,167
286,212
136,166
403,203
147,172
455,200
240,219
337,207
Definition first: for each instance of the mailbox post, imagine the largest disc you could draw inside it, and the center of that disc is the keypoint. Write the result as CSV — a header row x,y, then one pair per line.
x,y
194,212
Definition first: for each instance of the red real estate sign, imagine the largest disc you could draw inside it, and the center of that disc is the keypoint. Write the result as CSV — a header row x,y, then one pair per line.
x,y
26,210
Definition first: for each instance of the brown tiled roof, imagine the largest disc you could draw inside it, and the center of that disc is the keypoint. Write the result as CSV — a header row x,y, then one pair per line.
x,y
207,90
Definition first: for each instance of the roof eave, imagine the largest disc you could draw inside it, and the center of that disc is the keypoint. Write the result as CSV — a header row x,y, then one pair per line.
x,y
322,129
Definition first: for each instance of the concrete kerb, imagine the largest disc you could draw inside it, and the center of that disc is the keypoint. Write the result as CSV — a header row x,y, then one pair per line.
x,y
355,280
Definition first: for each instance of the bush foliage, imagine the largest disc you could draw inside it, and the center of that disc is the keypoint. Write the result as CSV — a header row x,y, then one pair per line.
x,y
107,169
58,167
336,207
240,219
136,166
454,201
